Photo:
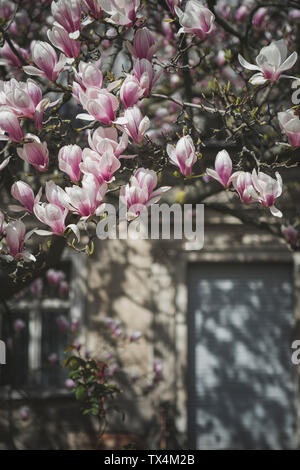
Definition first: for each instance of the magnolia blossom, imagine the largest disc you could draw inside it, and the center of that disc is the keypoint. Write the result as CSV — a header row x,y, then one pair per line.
x,y
35,152
130,91
106,138
64,290
134,124
94,8
259,16
242,13
25,195
24,99
290,125
67,13
290,234
55,194
268,190
87,199
46,61
140,192
183,155
89,74
60,38
271,62
6,9
143,45
9,124
172,4
122,12
100,104
54,277
144,73
54,216
196,19
19,325
69,159
69,384
9,58
223,169
24,413
102,166
15,238
242,183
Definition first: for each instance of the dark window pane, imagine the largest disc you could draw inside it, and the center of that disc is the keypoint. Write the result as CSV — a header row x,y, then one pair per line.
x,y
15,371
55,339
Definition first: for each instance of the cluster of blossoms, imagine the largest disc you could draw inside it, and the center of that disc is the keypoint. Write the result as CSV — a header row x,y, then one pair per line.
x,y
113,110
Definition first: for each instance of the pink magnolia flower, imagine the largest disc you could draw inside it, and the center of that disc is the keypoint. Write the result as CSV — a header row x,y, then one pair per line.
x,y
122,12
172,4
242,182
10,125
64,289
15,238
143,45
46,61
25,195
55,194
24,99
54,216
19,325
271,62
196,19
9,58
268,190
62,323
53,359
6,9
54,277
89,74
184,155
290,234
60,38
36,288
290,125
259,17
102,166
242,13
94,8
100,104
67,13
87,199
223,169
143,72
35,152
105,139
69,383
130,91
24,413
140,192
134,124
69,159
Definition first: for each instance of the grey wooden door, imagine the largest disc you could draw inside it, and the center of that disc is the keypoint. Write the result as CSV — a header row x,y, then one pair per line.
x,y
241,378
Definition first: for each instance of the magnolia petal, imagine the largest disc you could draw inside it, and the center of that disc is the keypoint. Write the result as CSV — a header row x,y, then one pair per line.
x,y
276,212
75,230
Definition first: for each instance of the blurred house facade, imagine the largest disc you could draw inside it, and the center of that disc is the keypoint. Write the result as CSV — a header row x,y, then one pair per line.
x,y
219,319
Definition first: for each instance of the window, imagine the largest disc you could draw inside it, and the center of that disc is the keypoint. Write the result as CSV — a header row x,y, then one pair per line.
x,y
41,322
